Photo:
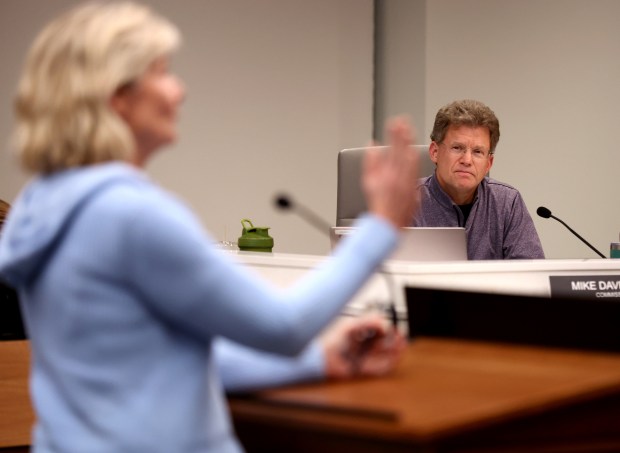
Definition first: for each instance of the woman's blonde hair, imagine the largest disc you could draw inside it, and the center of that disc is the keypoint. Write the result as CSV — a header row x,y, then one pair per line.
x,y
75,65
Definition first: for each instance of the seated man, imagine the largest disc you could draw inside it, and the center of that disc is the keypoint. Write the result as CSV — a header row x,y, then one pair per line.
x,y
459,194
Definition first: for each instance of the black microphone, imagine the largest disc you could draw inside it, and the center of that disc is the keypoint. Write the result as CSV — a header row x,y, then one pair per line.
x,y
546,213
285,203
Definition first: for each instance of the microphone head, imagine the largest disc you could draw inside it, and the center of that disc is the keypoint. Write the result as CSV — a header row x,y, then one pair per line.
x,y
543,212
283,201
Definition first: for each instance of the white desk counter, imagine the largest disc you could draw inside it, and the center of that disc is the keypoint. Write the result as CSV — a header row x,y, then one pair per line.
x,y
524,277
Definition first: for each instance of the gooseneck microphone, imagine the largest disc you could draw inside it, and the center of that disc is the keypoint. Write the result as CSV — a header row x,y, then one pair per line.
x,y
546,213
285,203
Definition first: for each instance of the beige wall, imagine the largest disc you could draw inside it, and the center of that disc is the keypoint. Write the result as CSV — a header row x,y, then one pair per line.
x,y
550,70
400,68
275,89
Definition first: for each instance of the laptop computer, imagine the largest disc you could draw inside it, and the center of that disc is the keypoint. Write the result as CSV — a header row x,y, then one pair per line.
x,y
420,243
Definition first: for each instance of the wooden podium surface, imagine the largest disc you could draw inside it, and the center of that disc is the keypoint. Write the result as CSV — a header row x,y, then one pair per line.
x,y
16,415
445,396
448,396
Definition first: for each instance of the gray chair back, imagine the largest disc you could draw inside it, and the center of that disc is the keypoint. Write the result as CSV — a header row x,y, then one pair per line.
x,y
350,201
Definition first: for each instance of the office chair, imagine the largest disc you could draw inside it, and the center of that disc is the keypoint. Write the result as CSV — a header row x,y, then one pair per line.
x,y
11,324
350,201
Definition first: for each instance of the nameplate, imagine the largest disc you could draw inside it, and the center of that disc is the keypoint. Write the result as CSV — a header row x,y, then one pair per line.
x,y
586,286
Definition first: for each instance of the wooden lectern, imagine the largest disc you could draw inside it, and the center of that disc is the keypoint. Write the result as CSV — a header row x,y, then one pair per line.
x,y
448,396
478,376
483,373
16,415
445,396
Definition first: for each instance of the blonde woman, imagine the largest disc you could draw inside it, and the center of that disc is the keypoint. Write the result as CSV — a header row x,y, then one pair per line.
x,y
125,301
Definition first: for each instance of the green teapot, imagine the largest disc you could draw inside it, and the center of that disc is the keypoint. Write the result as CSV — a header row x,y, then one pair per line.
x,y
254,239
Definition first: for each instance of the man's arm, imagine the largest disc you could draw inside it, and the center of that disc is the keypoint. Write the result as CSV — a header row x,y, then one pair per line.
x,y
521,238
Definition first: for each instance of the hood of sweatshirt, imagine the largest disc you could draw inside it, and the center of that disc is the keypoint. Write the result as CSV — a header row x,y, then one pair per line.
x,y
43,211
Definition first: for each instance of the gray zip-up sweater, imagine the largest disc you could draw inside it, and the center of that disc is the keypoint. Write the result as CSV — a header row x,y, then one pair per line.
x,y
498,227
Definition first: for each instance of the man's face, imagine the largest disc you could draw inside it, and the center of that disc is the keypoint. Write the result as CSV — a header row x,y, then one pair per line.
x,y
462,160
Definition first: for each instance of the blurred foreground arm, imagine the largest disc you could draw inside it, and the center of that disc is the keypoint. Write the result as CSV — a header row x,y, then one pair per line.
x,y
350,347
365,346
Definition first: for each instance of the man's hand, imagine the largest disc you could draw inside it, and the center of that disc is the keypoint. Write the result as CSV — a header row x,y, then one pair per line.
x,y
364,346
390,177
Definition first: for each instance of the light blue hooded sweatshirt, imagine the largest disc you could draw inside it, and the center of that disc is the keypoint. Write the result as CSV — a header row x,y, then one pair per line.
x,y
126,304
